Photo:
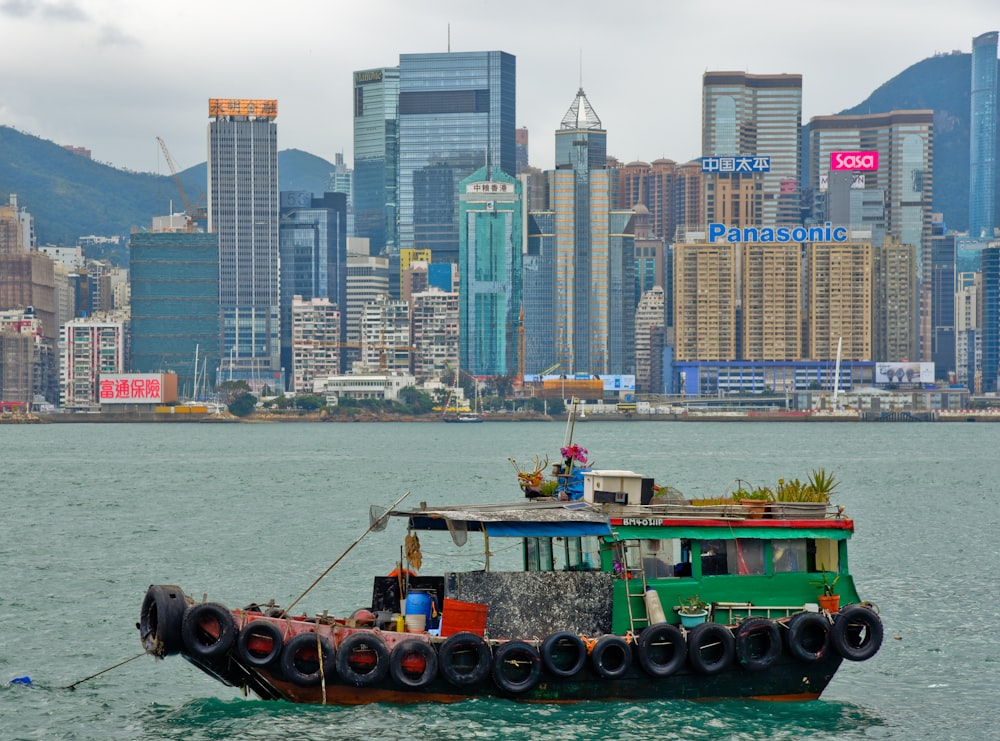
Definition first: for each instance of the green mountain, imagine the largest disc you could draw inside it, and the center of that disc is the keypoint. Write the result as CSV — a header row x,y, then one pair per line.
x,y
941,83
71,196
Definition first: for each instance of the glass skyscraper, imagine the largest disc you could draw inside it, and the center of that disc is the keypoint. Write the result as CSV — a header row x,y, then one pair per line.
x,y
756,115
376,157
983,137
243,213
456,115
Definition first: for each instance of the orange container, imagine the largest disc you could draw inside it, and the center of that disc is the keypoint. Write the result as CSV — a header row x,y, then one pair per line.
x,y
458,616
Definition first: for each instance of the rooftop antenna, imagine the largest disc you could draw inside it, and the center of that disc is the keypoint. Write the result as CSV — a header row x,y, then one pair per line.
x,y
581,69
449,38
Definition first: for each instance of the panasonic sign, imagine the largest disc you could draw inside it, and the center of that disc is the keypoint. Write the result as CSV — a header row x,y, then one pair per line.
x,y
853,160
777,234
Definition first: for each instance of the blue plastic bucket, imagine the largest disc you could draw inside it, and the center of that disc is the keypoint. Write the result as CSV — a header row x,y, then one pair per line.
x,y
420,603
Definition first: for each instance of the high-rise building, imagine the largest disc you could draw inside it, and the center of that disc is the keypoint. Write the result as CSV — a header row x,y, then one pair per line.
x,y
315,341
521,149
903,141
175,308
313,249
671,192
648,326
489,268
376,157
456,114
583,248
704,296
983,137
744,118
839,299
243,213
968,338
93,346
434,332
894,327
385,334
771,302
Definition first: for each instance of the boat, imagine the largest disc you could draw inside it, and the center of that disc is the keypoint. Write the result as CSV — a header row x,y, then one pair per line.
x,y
597,610
451,413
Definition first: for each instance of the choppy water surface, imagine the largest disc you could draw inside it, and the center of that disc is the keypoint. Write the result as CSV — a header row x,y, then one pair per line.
x,y
90,515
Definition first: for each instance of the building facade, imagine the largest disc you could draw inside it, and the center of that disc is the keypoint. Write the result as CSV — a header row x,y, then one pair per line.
x,y
376,157
243,213
434,322
983,137
456,114
313,250
175,308
315,342
489,268
92,347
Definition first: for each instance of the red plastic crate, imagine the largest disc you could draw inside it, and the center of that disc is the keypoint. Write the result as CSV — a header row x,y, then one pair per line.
x,y
458,616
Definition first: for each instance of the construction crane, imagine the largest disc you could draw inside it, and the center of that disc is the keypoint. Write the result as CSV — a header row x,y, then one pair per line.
x,y
192,213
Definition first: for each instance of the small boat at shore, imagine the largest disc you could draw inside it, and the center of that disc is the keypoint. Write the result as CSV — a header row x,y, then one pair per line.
x,y
626,591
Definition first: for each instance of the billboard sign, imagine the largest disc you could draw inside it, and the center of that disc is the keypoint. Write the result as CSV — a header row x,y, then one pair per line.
x,y
853,160
740,163
242,107
911,373
137,388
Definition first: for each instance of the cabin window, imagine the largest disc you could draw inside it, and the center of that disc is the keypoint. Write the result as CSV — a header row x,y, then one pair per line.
x,y
742,556
660,557
538,554
790,555
562,554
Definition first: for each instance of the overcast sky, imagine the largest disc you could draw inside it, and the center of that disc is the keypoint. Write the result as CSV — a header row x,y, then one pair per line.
x,y
112,75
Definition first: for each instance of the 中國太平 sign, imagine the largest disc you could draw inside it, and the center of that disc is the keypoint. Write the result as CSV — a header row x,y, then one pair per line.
x,y
738,163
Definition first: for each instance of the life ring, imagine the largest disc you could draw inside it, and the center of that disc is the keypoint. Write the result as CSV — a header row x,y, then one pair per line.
x,y
808,636
464,659
259,644
758,643
300,660
662,649
711,648
160,620
857,633
517,666
413,663
611,656
208,630
362,659
563,654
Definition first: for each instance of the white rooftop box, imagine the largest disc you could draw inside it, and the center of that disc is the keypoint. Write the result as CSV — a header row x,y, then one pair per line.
x,y
616,487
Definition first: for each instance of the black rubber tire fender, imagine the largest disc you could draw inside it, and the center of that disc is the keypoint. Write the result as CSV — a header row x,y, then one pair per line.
x,y
559,645
711,648
758,643
517,667
453,655
160,619
857,633
402,655
300,660
248,643
355,655
662,650
808,636
208,630
611,656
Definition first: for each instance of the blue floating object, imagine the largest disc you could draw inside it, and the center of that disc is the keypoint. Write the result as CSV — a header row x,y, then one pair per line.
x,y
21,680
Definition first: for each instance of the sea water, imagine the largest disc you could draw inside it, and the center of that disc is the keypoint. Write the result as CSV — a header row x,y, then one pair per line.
x,y
90,515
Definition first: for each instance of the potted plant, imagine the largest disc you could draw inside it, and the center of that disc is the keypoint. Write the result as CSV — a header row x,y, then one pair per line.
x,y
828,598
692,610
795,498
755,501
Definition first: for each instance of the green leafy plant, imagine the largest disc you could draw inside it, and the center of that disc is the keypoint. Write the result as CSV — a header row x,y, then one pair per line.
x,y
693,605
822,483
711,501
827,584
761,493
795,490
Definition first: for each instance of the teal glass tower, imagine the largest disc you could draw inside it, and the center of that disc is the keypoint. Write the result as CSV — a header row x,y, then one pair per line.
x,y
489,267
456,115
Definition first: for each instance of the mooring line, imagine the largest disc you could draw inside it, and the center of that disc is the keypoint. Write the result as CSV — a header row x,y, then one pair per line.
x,y
103,671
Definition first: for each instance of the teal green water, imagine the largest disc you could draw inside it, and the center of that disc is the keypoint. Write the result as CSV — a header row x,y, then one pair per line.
x,y
90,515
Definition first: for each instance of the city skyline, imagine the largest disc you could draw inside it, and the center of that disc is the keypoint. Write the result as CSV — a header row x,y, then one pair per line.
x,y
125,74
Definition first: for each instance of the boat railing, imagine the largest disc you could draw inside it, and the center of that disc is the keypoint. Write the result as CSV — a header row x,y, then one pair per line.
x,y
729,613
773,511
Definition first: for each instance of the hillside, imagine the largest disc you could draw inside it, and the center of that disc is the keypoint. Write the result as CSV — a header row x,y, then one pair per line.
x,y
71,196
